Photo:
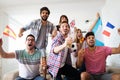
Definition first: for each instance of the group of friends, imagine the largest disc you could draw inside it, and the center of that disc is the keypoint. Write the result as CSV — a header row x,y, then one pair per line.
x,y
90,59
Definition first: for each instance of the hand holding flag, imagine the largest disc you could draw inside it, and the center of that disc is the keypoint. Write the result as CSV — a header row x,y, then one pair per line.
x,y
9,32
97,29
72,23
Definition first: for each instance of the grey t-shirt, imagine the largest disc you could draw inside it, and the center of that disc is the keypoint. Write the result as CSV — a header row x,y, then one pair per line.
x,y
40,42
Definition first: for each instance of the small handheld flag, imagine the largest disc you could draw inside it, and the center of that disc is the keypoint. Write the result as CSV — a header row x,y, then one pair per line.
x,y
72,23
9,32
110,26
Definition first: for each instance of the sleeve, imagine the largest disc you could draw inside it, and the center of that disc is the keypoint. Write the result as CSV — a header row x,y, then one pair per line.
x,y
108,50
29,26
55,43
53,27
18,53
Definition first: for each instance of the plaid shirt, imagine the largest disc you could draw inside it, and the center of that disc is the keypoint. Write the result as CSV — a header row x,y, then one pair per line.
x,y
54,60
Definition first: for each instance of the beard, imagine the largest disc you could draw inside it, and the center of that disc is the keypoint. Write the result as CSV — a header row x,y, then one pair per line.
x,y
44,18
91,45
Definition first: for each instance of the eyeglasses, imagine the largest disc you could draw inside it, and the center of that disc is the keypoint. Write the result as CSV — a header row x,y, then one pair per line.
x,y
30,40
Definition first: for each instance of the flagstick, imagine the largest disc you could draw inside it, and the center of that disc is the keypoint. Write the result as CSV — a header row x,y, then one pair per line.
x,y
119,33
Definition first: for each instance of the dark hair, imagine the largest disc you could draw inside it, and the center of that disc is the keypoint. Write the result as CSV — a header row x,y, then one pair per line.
x,y
57,26
64,22
89,34
62,17
45,8
30,35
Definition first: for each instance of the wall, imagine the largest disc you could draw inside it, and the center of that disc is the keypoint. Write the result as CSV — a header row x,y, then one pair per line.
x,y
110,13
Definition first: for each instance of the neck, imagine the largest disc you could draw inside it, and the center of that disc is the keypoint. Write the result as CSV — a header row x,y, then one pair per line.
x,y
30,51
92,48
65,36
44,22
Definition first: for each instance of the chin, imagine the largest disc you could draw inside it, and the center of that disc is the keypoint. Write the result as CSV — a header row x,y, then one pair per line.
x,y
91,45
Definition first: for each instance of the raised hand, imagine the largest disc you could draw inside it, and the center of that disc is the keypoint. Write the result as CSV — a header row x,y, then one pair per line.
x,y
81,53
68,42
20,35
97,15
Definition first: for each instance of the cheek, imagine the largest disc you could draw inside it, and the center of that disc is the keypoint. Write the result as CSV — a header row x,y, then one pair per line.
x,y
87,40
59,29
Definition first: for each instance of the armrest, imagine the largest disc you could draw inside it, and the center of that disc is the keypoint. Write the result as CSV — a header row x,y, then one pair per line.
x,y
11,75
111,69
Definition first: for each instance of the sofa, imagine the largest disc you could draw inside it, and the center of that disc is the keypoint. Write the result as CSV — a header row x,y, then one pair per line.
x,y
111,69
13,74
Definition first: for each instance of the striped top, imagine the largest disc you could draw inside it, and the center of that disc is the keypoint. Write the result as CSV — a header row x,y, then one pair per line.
x,y
28,64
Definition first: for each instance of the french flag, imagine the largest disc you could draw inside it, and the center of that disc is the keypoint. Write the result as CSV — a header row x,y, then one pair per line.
x,y
110,26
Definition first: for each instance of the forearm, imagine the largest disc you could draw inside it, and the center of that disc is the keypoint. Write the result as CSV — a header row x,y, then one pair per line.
x,y
44,66
93,25
79,62
116,50
59,48
2,53
21,32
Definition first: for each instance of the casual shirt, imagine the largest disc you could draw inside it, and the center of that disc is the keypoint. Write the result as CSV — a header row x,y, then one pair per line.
x,y
28,64
95,61
55,59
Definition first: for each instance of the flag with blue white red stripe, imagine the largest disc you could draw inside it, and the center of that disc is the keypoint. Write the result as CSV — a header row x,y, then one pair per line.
x,y
98,33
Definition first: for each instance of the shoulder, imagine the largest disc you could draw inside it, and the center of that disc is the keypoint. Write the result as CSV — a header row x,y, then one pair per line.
x,y
37,52
36,21
19,51
103,47
50,23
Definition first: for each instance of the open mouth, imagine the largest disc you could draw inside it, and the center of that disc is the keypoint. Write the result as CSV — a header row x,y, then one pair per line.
x,y
29,44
